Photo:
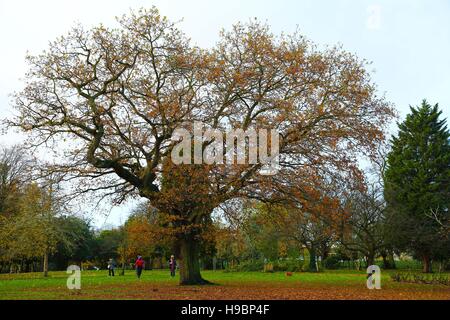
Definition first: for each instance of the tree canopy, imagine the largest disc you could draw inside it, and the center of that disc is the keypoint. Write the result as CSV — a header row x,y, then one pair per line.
x,y
417,184
108,100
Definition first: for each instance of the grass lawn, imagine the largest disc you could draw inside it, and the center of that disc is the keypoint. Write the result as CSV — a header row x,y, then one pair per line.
x,y
157,284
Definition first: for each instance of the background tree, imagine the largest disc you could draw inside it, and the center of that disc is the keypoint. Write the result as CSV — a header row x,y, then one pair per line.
x,y
14,166
364,227
262,235
77,243
115,96
231,245
33,231
417,182
107,245
146,236
313,224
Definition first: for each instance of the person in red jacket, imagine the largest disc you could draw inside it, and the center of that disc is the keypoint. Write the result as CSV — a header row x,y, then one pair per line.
x,y
139,265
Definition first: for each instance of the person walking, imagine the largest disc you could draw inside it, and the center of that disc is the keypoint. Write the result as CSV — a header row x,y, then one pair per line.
x,y
172,265
111,267
139,265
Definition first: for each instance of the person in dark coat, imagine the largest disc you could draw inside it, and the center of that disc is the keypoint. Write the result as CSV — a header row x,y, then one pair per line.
x,y
111,267
172,265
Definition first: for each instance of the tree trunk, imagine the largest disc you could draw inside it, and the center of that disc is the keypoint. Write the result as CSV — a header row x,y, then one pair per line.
x,y
325,251
426,263
392,260
45,266
189,262
150,263
370,259
312,259
385,260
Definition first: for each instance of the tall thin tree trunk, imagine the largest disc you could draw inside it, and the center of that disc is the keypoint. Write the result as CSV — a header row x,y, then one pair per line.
x,y
426,263
370,259
189,262
312,259
385,260
392,260
45,266
122,273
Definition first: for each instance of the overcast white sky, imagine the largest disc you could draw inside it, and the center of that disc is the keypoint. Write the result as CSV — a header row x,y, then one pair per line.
x,y
408,41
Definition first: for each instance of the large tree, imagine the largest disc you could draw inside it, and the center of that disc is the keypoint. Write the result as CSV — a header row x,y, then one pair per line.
x,y
109,101
417,184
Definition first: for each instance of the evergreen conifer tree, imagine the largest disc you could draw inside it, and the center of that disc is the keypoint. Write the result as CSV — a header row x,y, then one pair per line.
x,y
417,186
